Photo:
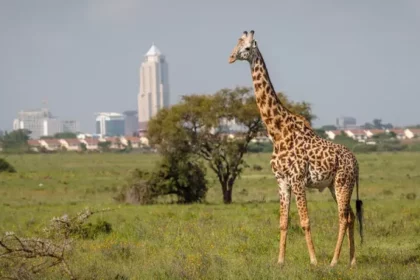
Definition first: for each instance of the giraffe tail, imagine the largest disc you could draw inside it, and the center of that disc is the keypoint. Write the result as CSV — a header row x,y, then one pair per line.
x,y
359,210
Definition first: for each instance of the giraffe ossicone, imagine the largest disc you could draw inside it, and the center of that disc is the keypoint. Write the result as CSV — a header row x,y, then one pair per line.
x,y
301,159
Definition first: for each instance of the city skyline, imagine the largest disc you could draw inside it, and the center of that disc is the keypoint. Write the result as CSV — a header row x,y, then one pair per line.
x,y
357,58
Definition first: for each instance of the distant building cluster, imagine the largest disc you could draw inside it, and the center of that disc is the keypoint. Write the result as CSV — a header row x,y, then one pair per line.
x,y
153,95
365,135
42,123
88,143
116,124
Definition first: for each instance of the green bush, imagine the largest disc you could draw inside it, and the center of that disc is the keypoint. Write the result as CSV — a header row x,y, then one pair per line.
x,y
181,177
91,231
172,176
6,166
137,189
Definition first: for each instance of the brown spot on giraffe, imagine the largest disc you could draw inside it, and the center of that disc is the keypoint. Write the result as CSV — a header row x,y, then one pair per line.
x,y
301,159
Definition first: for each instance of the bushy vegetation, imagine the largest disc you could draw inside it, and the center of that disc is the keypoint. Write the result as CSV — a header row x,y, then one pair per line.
x,y
175,175
6,166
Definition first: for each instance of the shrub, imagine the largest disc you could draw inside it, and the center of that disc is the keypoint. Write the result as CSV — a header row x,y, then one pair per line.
x,y
6,166
181,177
172,176
91,231
25,258
137,189
257,167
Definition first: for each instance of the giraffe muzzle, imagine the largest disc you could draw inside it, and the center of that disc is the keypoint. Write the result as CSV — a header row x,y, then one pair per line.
x,y
232,59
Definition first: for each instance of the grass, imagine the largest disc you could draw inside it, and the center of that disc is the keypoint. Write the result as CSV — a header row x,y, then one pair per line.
x,y
212,240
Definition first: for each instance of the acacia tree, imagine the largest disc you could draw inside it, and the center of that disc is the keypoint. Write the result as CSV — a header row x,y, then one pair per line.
x,y
199,125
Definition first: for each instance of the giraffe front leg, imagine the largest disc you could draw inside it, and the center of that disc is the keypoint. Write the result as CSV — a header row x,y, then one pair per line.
x,y
284,193
299,192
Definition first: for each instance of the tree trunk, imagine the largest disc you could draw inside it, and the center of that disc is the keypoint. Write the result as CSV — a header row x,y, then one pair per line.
x,y
227,195
227,188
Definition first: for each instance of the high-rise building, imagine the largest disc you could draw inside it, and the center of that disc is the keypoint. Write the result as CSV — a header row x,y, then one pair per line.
x,y
131,122
110,124
70,126
39,122
346,122
154,86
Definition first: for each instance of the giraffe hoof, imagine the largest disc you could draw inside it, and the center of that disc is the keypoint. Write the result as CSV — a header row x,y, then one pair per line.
x,y
314,263
333,263
353,264
280,263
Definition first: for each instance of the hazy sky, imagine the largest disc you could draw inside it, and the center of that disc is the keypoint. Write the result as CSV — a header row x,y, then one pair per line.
x,y
359,58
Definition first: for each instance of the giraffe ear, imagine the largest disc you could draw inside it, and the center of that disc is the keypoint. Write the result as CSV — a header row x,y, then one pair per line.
x,y
254,44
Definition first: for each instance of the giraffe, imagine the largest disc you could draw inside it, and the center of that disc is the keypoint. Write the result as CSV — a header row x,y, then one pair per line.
x,y
301,159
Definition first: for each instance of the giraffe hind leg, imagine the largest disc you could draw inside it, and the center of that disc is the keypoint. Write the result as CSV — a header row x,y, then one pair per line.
x,y
350,232
346,218
350,229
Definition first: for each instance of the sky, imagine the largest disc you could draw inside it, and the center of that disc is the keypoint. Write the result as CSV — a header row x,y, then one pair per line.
x,y
357,58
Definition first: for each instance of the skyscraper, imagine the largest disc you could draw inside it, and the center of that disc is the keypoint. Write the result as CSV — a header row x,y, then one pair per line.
x,y
154,86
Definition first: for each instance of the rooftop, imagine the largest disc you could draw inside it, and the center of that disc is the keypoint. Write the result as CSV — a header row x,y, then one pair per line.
x,y
153,51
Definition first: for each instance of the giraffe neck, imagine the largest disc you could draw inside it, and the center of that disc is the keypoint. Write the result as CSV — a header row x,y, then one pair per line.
x,y
273,112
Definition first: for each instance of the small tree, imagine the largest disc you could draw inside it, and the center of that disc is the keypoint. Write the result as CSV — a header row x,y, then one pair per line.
x,y
129,147
199,125
104,146
16,141
83,147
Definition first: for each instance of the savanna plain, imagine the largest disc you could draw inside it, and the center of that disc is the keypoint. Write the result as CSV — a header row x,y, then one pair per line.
x,y
212,240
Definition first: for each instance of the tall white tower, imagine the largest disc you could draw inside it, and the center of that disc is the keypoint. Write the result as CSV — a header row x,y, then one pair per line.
x,y
154,86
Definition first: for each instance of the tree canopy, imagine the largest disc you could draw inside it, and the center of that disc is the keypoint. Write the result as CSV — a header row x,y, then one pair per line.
x,y
377,124
201,125
15,141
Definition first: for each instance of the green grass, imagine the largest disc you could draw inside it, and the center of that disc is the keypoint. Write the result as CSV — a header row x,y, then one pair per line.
x,y
212,240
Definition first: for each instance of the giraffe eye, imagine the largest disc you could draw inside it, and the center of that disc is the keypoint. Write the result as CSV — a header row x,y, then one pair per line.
x,y
247,49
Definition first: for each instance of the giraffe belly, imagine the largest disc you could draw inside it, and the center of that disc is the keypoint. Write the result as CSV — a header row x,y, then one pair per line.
x,y
317,181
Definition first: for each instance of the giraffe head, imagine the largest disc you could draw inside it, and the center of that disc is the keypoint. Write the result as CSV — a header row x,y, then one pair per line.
x,y
245,49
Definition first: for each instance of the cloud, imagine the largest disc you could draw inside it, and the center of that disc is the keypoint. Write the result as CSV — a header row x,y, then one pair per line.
x,y
113,11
